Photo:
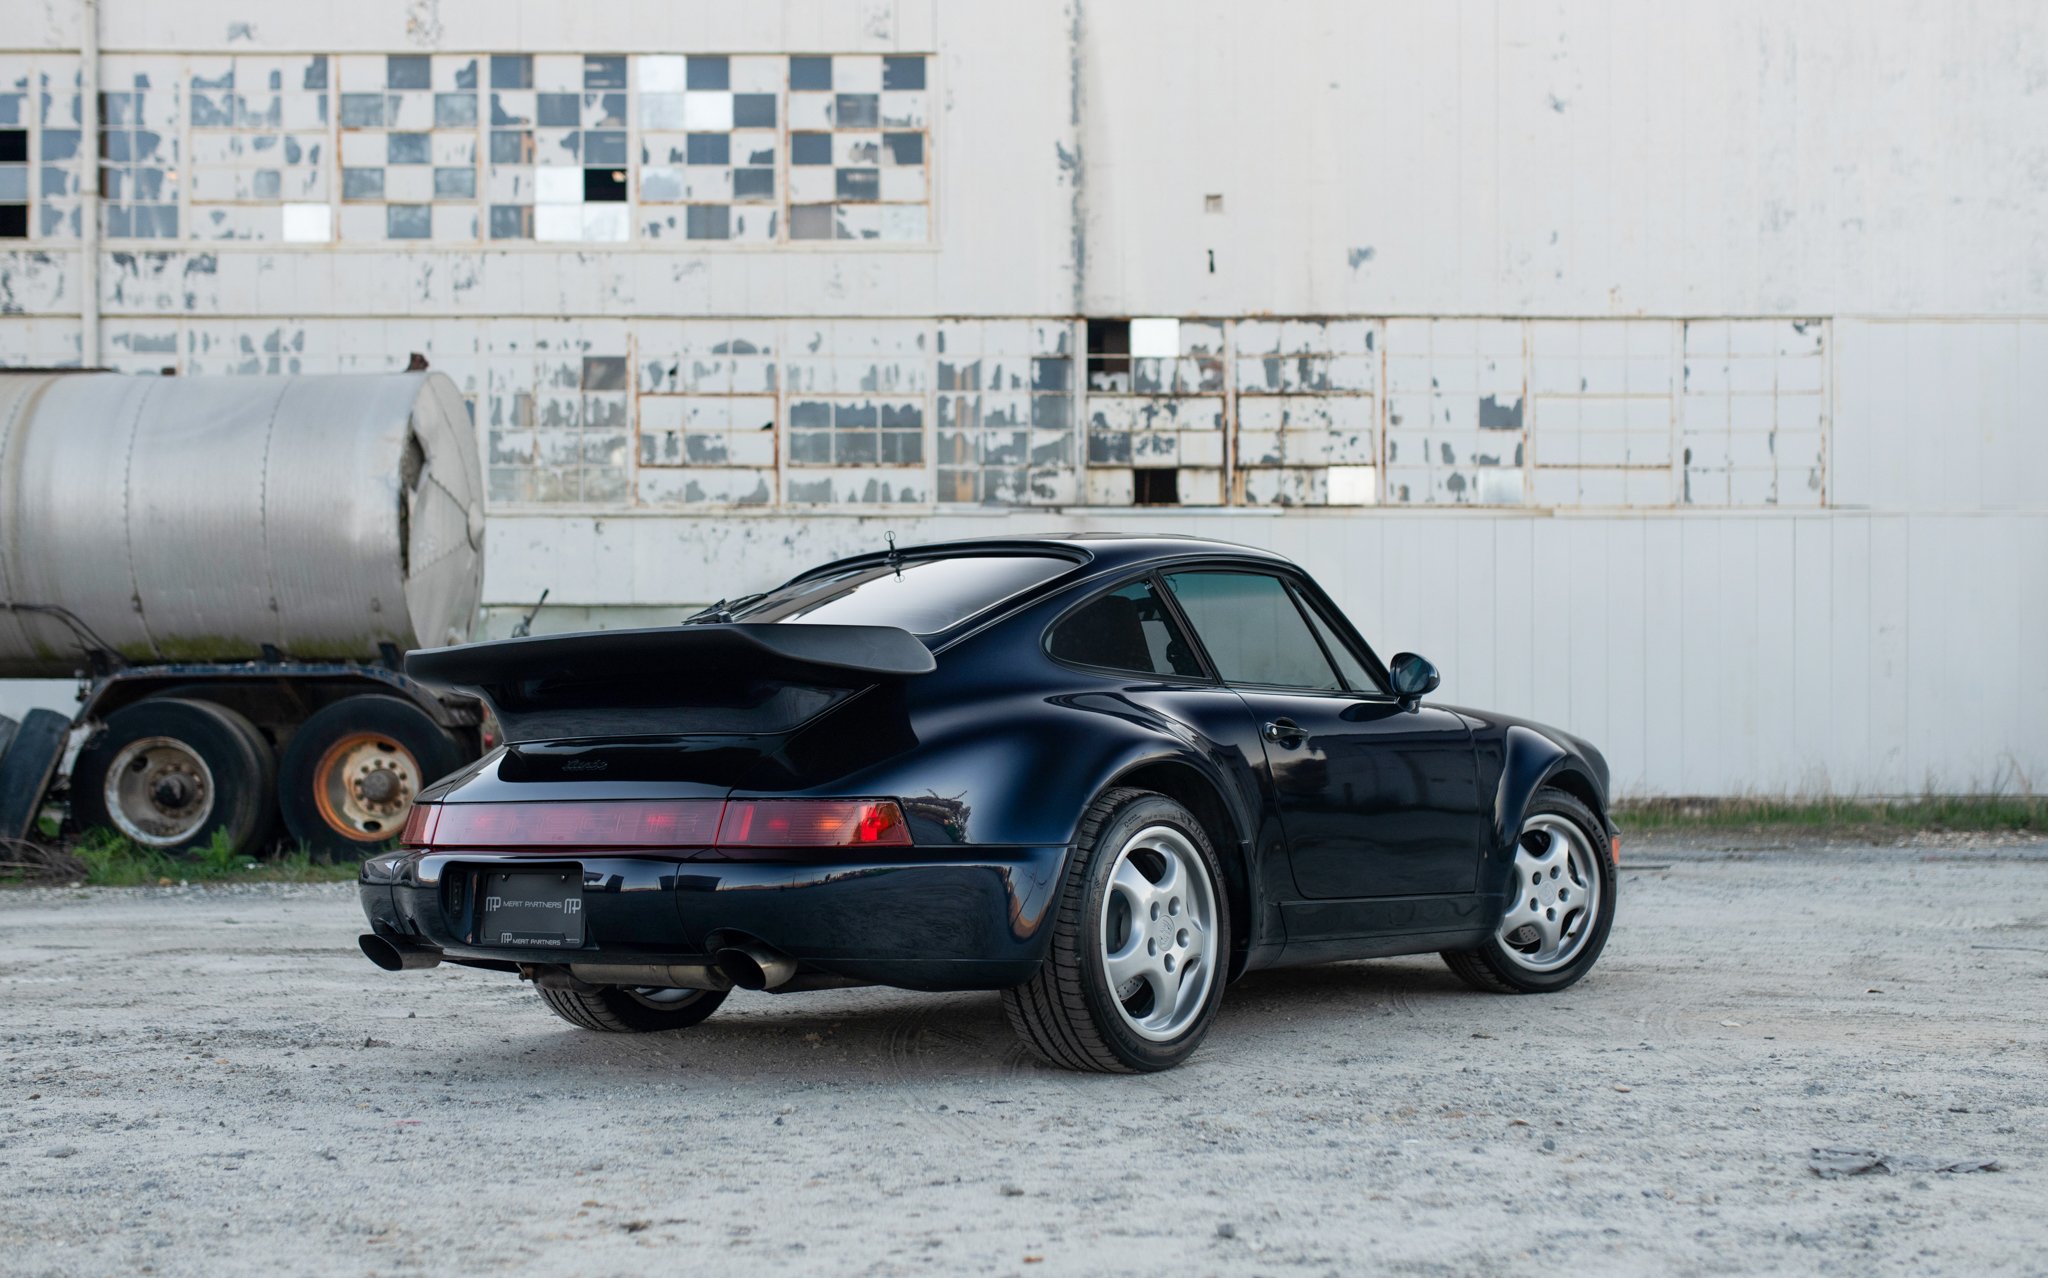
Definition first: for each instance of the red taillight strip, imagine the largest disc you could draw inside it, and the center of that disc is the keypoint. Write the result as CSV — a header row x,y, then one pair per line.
x,y
812,823
671,823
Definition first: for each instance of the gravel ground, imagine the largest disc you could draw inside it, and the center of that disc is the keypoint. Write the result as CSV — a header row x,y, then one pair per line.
x,y
213,1081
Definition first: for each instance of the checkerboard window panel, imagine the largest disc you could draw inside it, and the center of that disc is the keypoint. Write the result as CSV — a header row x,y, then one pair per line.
x,y
409,146
859,148
709,145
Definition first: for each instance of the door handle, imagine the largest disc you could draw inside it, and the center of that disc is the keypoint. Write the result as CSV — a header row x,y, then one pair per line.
x,y
1284,732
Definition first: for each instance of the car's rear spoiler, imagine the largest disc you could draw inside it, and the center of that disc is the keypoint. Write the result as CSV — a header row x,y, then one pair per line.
x,y
824,654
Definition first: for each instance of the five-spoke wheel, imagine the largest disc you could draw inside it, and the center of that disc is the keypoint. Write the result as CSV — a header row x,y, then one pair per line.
x,y
1158,932
1559,903
1134,970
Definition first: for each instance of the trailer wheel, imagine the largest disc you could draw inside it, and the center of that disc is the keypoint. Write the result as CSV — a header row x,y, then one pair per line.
x,y
171,774
349,776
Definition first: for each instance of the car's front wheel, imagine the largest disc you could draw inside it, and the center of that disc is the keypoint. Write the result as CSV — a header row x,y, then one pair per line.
x,y
619,1009
1560,904
1135,970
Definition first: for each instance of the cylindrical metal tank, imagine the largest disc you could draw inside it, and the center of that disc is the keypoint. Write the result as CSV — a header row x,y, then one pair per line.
x,y
195,519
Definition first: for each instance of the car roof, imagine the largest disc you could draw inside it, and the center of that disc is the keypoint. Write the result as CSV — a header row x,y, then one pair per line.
x,y
1103,552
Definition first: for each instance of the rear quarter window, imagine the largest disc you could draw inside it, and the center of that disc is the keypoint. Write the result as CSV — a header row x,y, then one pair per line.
x,y
1127,629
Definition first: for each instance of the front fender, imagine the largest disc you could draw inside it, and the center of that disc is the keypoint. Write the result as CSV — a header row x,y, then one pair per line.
x,y
1530,760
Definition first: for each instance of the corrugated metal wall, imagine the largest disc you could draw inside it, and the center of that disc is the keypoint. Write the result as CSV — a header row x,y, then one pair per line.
x,y
1672,372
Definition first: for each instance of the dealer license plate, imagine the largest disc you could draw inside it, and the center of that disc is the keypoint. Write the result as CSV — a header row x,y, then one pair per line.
x,y
544,911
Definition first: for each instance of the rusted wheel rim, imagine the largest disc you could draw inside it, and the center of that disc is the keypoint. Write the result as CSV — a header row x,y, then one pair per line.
x,y
159,792
364,785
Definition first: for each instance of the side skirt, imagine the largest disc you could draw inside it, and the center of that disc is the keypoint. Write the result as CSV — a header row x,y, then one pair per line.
x,y
1376,927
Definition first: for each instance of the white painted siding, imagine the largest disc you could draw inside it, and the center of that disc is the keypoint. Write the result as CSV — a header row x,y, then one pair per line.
x,y
1705,411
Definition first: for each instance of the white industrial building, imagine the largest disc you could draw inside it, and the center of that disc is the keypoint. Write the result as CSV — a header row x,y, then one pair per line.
x,y
1675,373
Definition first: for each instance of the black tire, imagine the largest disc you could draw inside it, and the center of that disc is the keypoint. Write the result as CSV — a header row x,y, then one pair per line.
x,y
611,1009
1492,967
388,731
1067,1013
238,802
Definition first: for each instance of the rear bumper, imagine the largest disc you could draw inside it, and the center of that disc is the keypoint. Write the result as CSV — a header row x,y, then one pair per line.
x,y
963,922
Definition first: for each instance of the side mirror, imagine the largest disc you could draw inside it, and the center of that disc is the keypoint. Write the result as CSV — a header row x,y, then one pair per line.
x,y
1413,678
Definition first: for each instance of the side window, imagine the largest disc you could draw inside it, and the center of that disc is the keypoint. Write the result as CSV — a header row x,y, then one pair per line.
x,y
1356,676
1127,629
1252,629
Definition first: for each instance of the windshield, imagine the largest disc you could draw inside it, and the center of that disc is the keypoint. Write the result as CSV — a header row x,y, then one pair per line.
x,y
923,596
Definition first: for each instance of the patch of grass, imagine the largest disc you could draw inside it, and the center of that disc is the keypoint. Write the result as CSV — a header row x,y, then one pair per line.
x,y
1989,814
112,861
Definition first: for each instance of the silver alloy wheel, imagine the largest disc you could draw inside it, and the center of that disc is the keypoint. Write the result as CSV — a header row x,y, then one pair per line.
x,y
1158,931
158,791
1557,897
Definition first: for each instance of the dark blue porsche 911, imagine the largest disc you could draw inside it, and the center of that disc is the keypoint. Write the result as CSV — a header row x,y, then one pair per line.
x,y
1104,775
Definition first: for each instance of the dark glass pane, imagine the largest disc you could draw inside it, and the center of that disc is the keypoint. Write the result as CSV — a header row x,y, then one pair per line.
x,y
604,372
604,186
604,72
406,148
904,148
1252,630
1128,629
707,72
753,184
903,73
604,146
707,222
810,148
511,71
753,110
407,71
857,110
511,147
511,222
710,148
810,73
408,221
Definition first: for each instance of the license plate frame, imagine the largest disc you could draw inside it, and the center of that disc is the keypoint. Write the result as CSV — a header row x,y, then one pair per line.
x,y
538,909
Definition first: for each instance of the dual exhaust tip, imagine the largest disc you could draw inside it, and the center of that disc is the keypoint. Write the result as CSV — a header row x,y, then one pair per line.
x,y
747,964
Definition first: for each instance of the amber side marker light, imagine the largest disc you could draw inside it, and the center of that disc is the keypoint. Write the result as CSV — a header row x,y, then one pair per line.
x,y
1614,847
673,823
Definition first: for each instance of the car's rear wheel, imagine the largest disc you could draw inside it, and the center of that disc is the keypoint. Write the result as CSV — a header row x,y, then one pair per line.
x,y
620,1009
1560,904
1134,973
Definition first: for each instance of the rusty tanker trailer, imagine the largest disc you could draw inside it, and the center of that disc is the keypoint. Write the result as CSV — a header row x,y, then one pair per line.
x,y
233,569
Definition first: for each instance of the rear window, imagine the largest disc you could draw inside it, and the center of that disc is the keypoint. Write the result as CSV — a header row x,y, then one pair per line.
x,y
923,596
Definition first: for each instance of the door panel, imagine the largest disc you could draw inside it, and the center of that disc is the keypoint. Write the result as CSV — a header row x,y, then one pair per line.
x,y
1376,800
